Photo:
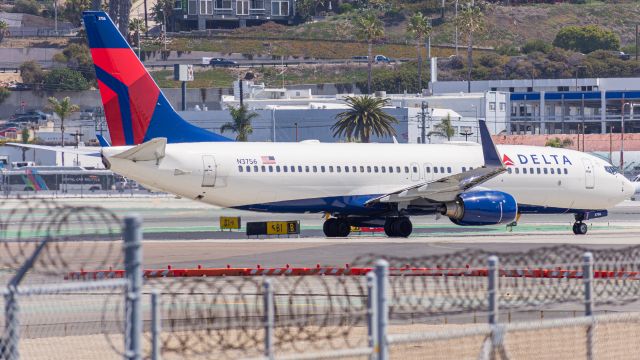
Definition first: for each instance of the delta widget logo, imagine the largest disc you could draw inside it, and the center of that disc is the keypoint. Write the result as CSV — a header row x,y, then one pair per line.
x,y
506,161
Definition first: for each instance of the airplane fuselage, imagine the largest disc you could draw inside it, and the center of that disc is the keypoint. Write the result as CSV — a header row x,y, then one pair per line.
x,y
339,178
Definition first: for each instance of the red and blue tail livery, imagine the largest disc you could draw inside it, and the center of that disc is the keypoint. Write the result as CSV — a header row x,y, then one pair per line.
x,y
135,107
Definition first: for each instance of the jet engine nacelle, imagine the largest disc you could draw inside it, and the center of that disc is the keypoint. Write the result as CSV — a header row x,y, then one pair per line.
x,y
482,208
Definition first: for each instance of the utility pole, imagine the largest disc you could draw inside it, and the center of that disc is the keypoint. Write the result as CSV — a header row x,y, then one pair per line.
x,y
636,42
146,23
423,115
456,20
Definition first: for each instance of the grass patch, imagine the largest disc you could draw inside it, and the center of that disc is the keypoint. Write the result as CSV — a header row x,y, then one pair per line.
x,y
219,78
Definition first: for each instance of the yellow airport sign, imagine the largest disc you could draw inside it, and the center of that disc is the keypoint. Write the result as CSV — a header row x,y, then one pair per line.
x,y
230,222
283,227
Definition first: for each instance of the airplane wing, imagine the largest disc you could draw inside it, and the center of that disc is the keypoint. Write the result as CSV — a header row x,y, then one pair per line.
x,y
447,188
79,151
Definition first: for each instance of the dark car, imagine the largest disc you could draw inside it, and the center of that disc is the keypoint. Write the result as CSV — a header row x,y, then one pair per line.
x,y
29,116
19,87
222,62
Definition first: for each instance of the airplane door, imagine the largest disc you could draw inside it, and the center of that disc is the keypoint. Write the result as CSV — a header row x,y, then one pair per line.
x,y
208,171
589,176
428,171
415,171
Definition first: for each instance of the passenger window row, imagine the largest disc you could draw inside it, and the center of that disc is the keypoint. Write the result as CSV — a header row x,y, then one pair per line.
x,y
532,171
343,169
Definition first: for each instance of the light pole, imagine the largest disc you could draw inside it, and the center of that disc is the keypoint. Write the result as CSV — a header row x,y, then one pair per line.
x,y
622,135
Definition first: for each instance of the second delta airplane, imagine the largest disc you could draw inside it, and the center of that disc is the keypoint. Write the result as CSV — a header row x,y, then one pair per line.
x,y
356,184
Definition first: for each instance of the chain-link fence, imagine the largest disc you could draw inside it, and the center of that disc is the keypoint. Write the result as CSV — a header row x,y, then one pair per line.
x,y
467,304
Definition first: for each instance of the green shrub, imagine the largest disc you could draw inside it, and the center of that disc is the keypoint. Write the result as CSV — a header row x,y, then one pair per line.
x,y
27,7
345,8
586,39
4,94
536,45
65,79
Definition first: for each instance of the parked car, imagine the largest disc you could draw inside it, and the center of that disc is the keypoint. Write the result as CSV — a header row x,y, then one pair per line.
x,y
19,87
383,59
360,58
28,116
222,62
620,54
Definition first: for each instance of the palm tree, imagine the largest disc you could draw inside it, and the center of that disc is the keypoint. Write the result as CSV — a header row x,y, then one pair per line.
x,y
444,128
470,20
364,117
4,29
369,28
136,26
63,109
419,28
24,135
241,124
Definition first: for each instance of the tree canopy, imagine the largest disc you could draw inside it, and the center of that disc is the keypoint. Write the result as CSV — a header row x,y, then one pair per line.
x,y
365,117
586,39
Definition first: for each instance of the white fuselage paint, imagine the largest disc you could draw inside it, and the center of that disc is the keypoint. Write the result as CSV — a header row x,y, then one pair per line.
x,y
587,185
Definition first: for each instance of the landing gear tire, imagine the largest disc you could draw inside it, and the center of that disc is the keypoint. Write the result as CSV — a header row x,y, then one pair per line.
x,y
336,228
398,227
580,228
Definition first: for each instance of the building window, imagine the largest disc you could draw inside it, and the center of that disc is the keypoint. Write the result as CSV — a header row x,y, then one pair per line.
x,y
206,7
177,5
192,7
503,106
492,106
257,4
280,8
563,88
223,4
529,89
511,89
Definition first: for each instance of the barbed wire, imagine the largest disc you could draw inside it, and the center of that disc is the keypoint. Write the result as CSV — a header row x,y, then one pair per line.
x,y
225,316
78,237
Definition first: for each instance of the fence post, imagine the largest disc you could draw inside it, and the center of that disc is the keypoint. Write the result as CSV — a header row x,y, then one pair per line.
x,y
133,268
493,289
156,327
11,339
269,318
382,305
372,315
587,277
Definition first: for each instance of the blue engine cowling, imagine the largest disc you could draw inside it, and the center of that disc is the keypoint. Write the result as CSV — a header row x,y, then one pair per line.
x,y
482,208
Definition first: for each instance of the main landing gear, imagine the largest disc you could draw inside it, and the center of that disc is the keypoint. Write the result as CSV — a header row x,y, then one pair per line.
x,y
393,227
398,227
580,228
336,227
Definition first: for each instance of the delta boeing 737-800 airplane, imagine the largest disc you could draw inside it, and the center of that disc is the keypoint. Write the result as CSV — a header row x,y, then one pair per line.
x,y
356,184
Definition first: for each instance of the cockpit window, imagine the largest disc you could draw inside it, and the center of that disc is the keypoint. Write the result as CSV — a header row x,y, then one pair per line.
x,y
611,169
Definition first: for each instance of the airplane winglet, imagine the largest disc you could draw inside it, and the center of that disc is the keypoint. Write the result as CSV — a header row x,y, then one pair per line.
x,y
103,142
489,151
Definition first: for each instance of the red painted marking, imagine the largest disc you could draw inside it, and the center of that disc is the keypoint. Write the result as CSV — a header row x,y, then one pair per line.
x,y
112,113
122,64
143,97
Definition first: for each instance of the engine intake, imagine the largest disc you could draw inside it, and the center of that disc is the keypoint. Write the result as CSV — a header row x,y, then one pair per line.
x,y
482,208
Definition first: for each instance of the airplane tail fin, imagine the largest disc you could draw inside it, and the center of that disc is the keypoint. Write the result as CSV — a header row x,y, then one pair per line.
x,y
135,107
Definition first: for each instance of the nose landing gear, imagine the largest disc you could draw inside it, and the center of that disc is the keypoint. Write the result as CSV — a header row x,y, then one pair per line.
x,y
580,228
